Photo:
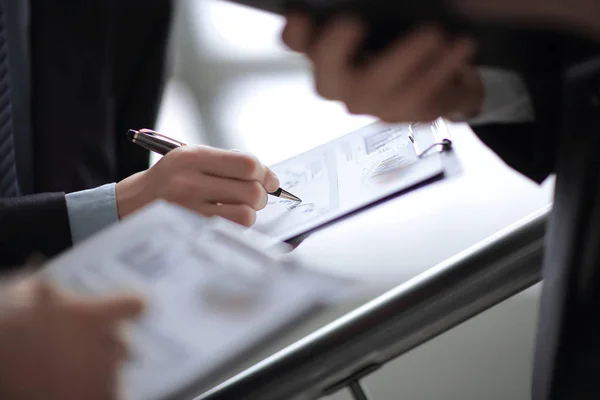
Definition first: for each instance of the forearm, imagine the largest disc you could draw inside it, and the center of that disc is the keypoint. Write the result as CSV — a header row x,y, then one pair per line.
x,y
31,225
47,224
521,120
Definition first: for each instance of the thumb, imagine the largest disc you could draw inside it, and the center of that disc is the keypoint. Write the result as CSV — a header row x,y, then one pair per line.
x,y
112,308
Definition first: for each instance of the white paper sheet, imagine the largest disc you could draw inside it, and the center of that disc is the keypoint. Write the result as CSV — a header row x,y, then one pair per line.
x,y
348,174
212,294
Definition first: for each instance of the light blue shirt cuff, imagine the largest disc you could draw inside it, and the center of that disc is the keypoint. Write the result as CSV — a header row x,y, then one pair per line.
x,y
91,211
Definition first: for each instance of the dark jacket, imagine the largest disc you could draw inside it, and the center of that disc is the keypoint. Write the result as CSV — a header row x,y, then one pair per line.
x,y
565,140
82,74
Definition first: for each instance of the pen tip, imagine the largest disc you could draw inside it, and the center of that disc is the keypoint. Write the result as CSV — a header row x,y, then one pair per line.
x,y
288,196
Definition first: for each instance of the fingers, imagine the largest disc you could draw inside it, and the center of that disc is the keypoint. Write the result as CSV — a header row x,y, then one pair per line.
x,y
410,81
394,69
455,58
192,191
116,346
424,100
241,214
109,309
271,181
196,176
463,94
104,376
231,199
333,55
422,65
298,32
222,163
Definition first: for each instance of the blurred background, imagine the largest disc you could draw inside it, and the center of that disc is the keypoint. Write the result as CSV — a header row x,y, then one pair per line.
x,y
234,85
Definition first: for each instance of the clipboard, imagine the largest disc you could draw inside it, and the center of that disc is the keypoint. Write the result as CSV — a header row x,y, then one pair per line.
x,y
355,172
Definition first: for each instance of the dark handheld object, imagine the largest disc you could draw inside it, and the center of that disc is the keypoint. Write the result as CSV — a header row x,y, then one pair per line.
x,y
161,144
153,141
505,46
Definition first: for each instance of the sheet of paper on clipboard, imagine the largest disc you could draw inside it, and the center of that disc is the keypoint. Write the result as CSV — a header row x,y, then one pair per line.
x,y
353,172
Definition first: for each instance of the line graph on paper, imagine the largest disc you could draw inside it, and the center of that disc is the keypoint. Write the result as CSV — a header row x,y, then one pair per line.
x,y
313,181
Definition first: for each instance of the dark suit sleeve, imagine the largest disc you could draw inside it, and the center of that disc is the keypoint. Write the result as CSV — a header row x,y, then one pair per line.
x,y
530,148
141,39
33,225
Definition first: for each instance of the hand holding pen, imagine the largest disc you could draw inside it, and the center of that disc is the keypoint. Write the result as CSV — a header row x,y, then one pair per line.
x,y
207,180
161,144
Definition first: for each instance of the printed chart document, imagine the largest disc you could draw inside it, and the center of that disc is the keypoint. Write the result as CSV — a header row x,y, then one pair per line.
x,y
212,294
351,173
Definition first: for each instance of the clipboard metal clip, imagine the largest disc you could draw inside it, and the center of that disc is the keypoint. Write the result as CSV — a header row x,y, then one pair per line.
x,y
442,141
445,144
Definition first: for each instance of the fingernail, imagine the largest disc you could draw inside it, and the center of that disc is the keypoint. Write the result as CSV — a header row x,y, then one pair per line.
x,y
271,181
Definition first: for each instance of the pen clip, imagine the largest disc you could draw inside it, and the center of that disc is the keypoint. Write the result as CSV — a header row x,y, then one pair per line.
x,y
152,133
